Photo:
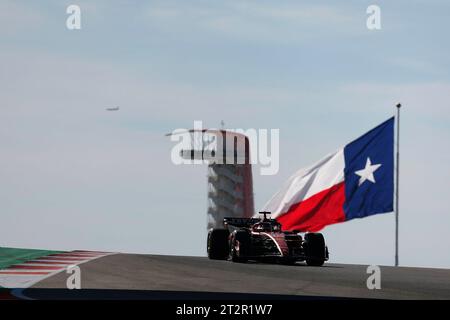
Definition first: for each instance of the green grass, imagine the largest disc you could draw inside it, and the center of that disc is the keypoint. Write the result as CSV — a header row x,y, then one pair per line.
x,y
10,256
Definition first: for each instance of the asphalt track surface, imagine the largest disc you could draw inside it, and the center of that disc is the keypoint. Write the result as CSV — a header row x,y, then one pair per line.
x,y
177,277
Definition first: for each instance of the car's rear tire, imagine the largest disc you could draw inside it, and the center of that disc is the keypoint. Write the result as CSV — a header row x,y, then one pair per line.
x,y
240,246
217,245
315,249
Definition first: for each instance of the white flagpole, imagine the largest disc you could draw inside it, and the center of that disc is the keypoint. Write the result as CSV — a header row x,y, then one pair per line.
x,y
397,183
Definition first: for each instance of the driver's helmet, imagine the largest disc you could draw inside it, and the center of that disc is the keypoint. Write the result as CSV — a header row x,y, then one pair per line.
x,y
276,227
262,227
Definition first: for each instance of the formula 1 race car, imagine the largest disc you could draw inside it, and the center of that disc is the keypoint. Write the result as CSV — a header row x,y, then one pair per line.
x,y
244,239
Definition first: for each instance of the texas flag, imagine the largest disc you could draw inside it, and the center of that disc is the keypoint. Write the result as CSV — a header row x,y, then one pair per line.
x,y
355,182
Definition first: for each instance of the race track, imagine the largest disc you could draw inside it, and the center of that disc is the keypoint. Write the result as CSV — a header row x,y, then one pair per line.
x,y
171,274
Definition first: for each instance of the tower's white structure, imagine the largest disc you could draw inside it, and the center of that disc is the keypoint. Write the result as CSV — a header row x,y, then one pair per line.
x,y
228,193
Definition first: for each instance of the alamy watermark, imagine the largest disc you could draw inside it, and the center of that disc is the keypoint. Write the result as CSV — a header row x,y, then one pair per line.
x,y
374,280
73,21
74,280
373,21
230,146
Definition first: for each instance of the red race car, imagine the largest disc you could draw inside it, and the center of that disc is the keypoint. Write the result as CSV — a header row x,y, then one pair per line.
x,y
244,239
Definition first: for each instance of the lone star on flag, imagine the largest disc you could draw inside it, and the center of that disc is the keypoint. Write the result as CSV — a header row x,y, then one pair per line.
x,y
367,172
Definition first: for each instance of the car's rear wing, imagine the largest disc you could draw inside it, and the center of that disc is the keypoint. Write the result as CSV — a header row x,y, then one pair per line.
x,y
244,222
240,222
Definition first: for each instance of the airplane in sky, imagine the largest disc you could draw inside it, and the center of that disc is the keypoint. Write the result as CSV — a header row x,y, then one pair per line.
x,y
113,109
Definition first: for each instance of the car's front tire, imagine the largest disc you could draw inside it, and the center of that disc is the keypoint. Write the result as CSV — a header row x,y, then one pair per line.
x,y
315,249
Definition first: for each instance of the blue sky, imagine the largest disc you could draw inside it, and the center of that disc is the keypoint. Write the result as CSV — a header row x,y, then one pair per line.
x,y
74,176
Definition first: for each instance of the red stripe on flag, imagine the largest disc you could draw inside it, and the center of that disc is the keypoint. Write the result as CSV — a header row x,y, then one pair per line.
x,y
316,212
